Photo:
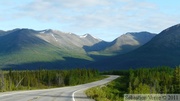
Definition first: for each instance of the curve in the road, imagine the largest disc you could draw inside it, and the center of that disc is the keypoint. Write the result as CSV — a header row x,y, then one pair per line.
x,y
82,96
71,93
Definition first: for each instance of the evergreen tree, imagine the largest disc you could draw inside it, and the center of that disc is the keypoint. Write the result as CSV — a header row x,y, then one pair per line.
x,y
130,91
176,79
136,82
2,81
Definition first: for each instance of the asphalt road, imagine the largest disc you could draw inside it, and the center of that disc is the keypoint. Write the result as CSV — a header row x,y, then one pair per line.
x,y
72,93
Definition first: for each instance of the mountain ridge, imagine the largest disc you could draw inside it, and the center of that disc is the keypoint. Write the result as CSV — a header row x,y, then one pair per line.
x,y
162,50
123,44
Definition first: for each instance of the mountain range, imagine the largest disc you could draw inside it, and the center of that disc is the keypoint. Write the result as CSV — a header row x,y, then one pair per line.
x,y
162,50
53,49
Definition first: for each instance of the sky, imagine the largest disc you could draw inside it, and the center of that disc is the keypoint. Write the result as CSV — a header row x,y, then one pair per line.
x,y
104,19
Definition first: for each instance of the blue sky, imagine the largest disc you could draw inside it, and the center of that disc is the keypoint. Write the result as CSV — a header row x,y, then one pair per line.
x,y
105,19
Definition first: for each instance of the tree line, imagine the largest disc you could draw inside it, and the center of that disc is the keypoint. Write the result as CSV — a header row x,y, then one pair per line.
x,y
36,79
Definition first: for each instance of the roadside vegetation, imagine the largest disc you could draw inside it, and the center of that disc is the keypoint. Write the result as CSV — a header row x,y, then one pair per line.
x,y
40,79
113,91
160,80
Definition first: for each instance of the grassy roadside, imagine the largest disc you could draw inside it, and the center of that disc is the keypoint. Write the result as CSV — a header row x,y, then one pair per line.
x,y
112,91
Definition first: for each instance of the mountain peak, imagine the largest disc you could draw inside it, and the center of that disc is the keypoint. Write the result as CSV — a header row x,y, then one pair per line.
x,y
144,33
85,35
47,31
143,36
89,36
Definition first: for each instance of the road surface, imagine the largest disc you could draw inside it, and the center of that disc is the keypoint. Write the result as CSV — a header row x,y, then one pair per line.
x,y
72,93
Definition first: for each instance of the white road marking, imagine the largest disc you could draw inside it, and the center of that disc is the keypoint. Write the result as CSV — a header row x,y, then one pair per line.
x,y
77,91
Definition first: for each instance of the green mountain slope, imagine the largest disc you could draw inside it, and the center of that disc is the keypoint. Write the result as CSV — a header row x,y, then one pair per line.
x,y
23,47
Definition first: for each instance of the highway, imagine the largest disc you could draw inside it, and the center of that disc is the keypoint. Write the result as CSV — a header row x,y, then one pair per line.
x,y
71,93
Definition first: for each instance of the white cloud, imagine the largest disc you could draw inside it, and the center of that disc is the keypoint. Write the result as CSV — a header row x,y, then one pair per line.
x,y
80,3
94,16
